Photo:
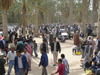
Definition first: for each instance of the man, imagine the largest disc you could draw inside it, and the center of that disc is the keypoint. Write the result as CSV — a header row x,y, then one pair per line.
x,y
1,44
98,70
28,58
61,68
98,45
21,64
45,38
11,56
44,46
30,42
65,62
2,69
35,48
83,49
20,45
50,38
28,48
88,53
55,48
44,62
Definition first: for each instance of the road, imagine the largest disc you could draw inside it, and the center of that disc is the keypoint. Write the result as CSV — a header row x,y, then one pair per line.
x,y
74,60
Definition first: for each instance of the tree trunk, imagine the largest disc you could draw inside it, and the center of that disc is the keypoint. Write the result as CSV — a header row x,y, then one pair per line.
x,y
71,13
99,22
93,11
4,22
84,17
24,18
36,18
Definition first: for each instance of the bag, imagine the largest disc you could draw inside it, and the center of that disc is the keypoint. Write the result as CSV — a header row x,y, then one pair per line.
x,y
78,53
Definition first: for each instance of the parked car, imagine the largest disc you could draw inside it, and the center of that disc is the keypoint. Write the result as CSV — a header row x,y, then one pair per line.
x,y
62,33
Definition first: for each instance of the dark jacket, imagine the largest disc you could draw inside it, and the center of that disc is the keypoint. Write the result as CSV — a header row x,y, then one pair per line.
x,y
24,63
83,46
1,44
2,69
44,60
98,46
58,48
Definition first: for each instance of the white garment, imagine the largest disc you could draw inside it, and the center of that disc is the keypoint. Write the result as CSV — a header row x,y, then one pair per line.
x,y
65,62
28,56
11,55
20,62
55,56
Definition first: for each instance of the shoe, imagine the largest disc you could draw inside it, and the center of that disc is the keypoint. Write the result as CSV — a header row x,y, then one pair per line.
x,y
54,65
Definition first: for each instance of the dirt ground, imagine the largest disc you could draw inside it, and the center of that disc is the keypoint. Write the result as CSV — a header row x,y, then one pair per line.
x,y
74,60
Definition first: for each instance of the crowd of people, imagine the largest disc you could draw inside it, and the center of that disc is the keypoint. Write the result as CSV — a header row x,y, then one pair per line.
x,y
18,53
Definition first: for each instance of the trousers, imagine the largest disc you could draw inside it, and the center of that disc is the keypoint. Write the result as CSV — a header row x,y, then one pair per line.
x,y
55,56
44,71
11,64
20,72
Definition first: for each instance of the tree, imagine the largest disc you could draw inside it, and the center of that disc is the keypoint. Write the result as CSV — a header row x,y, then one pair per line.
x,y
5,5
99,22
24,18
84,16
71,13
93,11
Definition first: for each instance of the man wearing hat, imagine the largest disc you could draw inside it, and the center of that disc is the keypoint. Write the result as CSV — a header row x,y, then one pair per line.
x,y
11,57
88,53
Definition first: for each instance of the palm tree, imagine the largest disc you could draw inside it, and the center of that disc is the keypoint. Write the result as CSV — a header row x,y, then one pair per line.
x,y
99,22
84,16
71,13
5,5
24,18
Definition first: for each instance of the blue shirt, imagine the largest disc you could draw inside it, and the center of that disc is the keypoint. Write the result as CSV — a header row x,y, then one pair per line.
x,y
44,60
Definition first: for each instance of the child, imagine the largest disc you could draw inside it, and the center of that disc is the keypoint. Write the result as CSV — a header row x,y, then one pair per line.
x,y
61,68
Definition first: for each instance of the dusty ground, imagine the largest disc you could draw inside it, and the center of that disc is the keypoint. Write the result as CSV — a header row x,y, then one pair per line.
x,y
74,60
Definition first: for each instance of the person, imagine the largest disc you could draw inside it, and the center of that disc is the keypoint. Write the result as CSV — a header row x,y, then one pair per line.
x,y
15,33
88,65
55,48
44,62
11,56
92,42
50,38
1,44
82,34
10,36
20,65
98,45
28,48
61,68
30,42
65,62
83,49
74,49
28,59
2,68
35,48
88,52
98,70
44,46
45,38
20,45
